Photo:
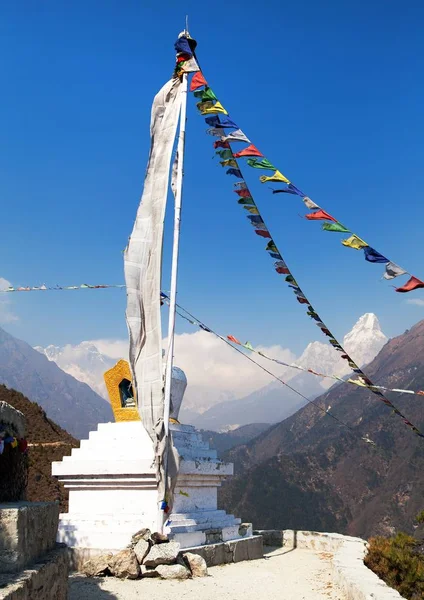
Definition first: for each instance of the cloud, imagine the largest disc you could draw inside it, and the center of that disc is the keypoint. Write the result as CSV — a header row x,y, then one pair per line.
x,y
416,301
113,348
6,313
215,372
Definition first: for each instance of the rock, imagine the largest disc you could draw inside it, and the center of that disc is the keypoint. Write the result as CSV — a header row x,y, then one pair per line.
x,y
124,565
97,567
143,534
197,564
148,572
141,550
159,538
162,554
173,572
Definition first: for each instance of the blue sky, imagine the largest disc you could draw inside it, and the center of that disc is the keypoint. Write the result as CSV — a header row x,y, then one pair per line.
x,y
331,92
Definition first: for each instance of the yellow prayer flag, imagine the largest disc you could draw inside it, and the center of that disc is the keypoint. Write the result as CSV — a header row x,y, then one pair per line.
x,y
357,382
276,177
215,109
354,242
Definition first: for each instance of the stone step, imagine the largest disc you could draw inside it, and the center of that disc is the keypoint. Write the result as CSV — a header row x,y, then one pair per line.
x,y
192,525
199,515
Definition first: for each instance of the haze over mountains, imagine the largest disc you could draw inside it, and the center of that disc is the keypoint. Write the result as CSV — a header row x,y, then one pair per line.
x,y
209,404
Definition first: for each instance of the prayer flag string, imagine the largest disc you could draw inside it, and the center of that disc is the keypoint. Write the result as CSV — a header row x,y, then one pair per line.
x,y
280,265
392,270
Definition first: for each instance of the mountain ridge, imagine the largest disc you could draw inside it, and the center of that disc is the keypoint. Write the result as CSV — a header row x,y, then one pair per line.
x,y
68,402
377,489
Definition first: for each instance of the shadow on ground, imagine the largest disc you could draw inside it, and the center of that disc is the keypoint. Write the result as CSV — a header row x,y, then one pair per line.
x,y
87,588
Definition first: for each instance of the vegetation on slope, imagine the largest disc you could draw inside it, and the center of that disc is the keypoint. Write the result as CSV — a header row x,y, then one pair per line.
x,y
397,561
47,442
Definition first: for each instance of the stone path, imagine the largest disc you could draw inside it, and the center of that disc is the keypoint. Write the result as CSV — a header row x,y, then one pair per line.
x,y
283,574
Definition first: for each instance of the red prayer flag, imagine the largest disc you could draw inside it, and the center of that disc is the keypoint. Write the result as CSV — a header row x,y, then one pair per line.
x,y
282,270
320,215
233,339
197,81
264,234
412,284
244,193
220,144
249,151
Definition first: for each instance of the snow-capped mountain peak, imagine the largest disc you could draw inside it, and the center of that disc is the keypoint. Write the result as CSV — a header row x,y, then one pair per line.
x,y
83,361
365,340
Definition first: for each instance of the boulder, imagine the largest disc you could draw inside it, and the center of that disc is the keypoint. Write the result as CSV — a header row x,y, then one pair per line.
x,y
162,554
141,550
196,563
143,534
173,572
98,566
124,565
159,538
148,572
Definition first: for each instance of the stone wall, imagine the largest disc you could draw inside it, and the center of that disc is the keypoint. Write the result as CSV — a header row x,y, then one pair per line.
x,y
13,463
349,571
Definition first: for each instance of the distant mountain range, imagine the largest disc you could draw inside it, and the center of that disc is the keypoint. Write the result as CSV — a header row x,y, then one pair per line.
x,y
276,402
70,403
271,403
83,361
310,472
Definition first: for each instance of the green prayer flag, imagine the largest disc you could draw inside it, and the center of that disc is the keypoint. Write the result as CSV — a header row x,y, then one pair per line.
x,y
206,94
335,227
271,247
224,154
260,164
249,346
247,200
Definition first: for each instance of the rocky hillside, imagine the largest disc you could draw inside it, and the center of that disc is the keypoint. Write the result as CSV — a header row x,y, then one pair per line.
x,y
47,442
365,490
67,401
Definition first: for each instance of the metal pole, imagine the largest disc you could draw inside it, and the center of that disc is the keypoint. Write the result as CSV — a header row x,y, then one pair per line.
x,y
174,268
174,274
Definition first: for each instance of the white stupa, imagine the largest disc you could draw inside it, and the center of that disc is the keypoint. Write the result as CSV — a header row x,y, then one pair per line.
x,y
113,492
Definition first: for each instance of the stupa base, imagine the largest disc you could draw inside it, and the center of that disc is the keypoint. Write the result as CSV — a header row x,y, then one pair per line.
x,y
112,495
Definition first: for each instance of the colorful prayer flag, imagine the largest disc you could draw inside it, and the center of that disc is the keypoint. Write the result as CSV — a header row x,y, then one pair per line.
x,y
229,163
220,144
197,81
217,108
412,284
235,172
320,215
354,242
224,154
335,227
252,209
227,122
372,255
310,203
260,164
263,233
249,346
236,136
276,177
248,201
281,267
206,94
234,340
393,270
249,151
213,121
243,192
